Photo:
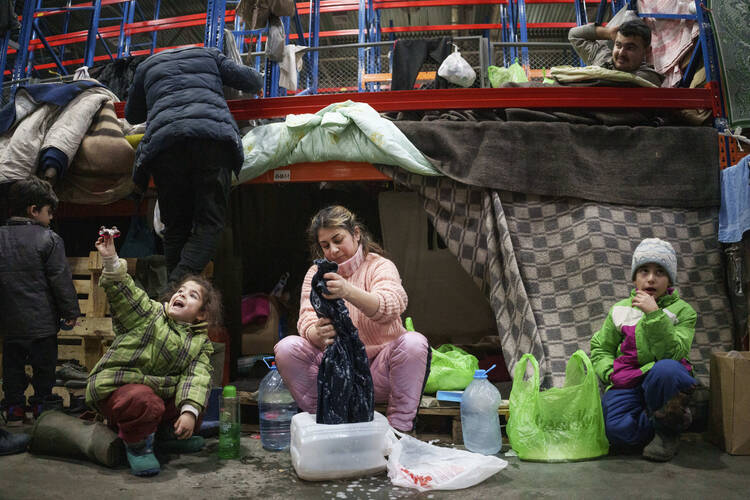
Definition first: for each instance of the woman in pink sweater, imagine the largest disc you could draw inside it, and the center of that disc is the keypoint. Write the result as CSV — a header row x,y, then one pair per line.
x,y
371,288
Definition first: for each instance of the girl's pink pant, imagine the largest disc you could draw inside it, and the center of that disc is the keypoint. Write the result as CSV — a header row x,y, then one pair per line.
x,y
398,371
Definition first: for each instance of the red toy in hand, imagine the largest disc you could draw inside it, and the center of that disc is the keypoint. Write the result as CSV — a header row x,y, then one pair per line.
x,y
112,232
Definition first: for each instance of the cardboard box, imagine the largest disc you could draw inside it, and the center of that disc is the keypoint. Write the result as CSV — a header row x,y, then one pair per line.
x,y
730,402
260,338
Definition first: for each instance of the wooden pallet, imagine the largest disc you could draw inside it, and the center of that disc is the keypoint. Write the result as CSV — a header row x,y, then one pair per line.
x,y
433,422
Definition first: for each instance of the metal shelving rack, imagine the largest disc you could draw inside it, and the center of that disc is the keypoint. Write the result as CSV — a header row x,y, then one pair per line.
x,y
513,26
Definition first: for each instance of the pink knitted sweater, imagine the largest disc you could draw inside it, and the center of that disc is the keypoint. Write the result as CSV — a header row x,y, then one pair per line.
x,y
374,274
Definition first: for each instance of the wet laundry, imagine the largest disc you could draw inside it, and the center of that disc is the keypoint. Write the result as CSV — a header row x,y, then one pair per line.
x,y
345,389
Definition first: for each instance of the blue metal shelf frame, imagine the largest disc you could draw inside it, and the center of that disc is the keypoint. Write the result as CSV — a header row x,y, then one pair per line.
x,y
33,25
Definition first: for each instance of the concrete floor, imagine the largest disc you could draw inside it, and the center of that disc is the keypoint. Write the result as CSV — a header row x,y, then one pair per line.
x,y
699,471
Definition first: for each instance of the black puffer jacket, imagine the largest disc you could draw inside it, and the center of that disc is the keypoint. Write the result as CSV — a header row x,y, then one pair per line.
x,y
178,93
36,286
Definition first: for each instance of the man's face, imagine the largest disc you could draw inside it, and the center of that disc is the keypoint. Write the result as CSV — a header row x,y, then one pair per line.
x,y
628,52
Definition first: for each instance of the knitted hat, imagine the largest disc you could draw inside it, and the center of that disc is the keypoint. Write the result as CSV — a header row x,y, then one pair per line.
x,y
656,251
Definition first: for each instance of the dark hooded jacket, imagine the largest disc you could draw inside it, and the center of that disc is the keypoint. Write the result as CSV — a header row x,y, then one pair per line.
x,y
178,93
36,286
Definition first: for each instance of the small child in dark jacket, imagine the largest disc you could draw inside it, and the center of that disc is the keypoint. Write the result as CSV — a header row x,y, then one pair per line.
x,y
36,291
191,146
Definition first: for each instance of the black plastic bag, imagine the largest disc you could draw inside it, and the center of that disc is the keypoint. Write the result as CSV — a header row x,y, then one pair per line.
x,y
345,391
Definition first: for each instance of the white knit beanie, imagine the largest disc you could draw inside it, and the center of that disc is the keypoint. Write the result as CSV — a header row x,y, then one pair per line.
x,y
656,251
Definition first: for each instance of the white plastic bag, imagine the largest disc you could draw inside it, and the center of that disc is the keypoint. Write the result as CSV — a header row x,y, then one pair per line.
x,y
456,70
415,464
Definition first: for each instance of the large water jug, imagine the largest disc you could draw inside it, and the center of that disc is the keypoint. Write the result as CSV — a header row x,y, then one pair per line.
x,y
277,407
480,422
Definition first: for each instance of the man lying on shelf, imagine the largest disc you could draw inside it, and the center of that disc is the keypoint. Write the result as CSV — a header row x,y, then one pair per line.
x,y
632,43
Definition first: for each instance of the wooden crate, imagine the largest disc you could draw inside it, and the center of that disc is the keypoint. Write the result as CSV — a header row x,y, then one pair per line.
x,y
91,336
434,422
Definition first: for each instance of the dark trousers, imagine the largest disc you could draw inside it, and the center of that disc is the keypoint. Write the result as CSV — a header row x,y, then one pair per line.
x,y
193,179
627,412
409,56
136,411
41,354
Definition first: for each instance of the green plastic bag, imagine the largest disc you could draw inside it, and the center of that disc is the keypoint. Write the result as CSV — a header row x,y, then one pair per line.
x,y
559,424
517,73
499,75
452,369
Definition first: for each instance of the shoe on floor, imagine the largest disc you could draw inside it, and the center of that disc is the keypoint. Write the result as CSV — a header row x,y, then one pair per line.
x,y
15,415
143,462
12,443
663,447
70,371
190,445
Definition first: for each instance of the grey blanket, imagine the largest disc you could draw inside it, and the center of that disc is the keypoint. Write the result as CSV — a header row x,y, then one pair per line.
x,y
637,166
553,266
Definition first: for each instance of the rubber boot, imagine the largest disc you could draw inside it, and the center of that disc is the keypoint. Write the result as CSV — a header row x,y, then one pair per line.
x,y
57,434
669,421
141,457
167,442
663,447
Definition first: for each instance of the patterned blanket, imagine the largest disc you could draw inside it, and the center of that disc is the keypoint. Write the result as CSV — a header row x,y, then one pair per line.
x,y
732,33
552,266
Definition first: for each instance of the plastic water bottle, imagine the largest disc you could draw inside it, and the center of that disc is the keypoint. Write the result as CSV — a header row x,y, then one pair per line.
x,y
480,422
277,407
229,424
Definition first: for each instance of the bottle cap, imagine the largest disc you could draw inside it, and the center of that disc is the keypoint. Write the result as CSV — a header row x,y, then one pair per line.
x,y
229,391
483,373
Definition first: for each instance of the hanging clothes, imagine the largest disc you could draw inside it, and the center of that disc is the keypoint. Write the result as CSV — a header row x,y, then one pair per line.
x,y
345,390
410,55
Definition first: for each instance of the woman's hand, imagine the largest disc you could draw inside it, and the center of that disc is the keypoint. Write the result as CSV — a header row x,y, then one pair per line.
x,y
184,425
106,246
321,334
338,287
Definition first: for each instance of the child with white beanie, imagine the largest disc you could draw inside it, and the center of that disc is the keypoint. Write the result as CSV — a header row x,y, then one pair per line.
x,y
640,354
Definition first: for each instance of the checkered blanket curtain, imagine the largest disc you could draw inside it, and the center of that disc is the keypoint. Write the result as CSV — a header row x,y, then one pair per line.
x,y
552,267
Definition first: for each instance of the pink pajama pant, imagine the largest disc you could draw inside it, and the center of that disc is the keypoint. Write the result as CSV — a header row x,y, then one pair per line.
x,y
398,374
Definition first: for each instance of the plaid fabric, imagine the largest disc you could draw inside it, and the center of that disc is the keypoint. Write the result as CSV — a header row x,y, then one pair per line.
x,y
149,348
553,267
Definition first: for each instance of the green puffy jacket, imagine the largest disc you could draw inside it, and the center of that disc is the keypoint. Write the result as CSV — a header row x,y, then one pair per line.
x,y
170,357
630,342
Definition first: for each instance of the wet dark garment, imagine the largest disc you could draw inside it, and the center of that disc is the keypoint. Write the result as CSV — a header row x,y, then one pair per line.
x,y
345,391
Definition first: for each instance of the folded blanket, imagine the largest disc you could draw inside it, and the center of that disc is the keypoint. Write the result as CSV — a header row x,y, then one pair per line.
x,y
568,74
671,39
344,131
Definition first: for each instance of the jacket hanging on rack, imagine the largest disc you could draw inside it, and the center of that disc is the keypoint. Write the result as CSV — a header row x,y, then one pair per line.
x,y
345,391
410,55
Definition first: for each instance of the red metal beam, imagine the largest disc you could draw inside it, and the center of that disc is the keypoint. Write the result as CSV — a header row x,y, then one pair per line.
x,y
322,171
535,98
84,4
73,62
555,97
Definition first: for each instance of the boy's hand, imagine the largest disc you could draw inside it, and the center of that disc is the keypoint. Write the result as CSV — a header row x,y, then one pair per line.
x,y
644,302
106,246
184,425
